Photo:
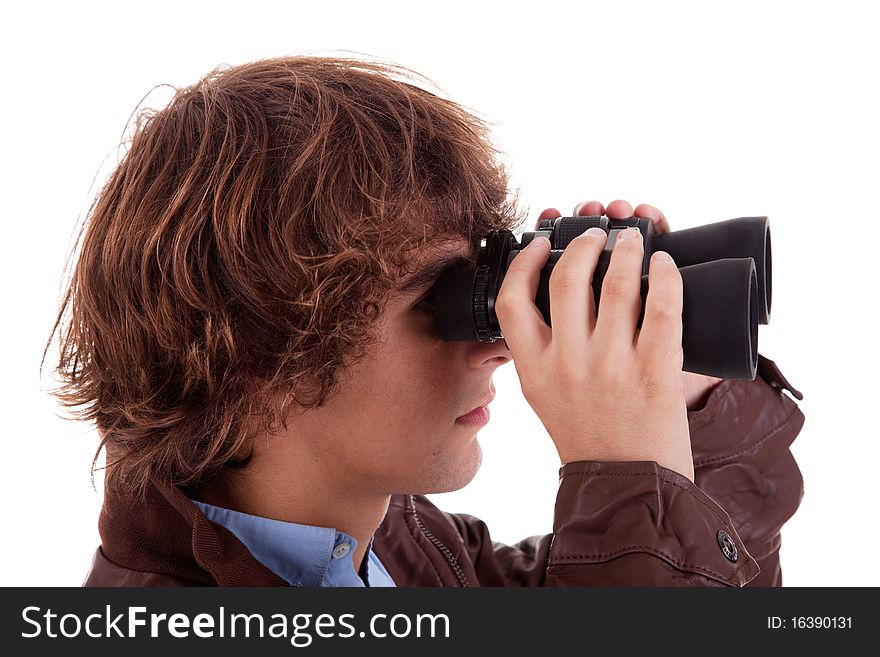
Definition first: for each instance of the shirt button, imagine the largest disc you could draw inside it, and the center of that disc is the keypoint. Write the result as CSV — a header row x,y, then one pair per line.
x,y
341,550
728,546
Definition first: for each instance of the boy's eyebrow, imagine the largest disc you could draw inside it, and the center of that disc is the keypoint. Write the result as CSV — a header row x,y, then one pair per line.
x,y
430,272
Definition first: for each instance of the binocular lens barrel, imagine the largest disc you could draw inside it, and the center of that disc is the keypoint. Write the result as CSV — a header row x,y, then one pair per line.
x,y
746,237
726,274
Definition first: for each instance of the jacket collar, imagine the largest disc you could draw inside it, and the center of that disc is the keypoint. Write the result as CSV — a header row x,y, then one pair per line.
x,y
164,532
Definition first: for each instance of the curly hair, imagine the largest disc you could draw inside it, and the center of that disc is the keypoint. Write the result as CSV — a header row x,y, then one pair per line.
x,y
244,246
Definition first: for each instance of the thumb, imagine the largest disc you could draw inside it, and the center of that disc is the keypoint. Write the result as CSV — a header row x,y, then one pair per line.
x,y
524,329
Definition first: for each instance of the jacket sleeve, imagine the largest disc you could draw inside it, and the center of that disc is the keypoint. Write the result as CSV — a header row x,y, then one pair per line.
x,y
640,524
740,441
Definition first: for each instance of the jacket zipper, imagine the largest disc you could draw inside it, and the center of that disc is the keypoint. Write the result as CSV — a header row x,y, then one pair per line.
x,y
450,558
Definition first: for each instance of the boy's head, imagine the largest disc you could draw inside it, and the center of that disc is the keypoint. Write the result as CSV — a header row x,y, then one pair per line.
x,y
239,277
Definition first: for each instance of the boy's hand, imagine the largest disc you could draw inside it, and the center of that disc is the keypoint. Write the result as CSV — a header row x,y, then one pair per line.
x,y
696,386
604,391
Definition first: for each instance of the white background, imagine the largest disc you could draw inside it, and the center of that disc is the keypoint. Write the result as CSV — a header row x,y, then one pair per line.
x,y
707,111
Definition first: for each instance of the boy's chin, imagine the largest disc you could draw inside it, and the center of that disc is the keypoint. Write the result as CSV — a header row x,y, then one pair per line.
x,y
454,477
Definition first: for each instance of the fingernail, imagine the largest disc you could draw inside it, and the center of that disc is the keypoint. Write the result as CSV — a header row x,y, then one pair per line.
x,y
661,256
629,234
598,232
535,241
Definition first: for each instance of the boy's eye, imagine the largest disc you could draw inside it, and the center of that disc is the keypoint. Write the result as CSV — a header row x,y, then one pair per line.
x,y
426,304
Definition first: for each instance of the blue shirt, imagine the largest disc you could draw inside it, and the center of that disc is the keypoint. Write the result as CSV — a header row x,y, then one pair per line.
x,y
303,555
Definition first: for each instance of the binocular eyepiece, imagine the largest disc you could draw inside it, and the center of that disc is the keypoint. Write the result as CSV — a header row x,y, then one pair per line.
x,y
725,269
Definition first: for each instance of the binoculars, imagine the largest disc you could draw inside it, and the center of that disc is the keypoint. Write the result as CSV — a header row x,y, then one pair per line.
x,y
725,269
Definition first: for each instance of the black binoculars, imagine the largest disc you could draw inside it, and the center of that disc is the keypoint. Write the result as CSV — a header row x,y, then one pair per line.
x,y
725,269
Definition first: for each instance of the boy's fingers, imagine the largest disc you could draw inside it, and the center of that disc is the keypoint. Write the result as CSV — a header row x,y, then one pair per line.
x,y
661,333
619,210
549,213
655,215
522,324
572,304
621,293
589,209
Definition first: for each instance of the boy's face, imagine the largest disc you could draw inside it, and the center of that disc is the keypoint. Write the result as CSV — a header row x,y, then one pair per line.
x,y
392,426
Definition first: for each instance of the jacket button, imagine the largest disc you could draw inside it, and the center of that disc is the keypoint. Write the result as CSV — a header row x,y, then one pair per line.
x,y
728,547
341,550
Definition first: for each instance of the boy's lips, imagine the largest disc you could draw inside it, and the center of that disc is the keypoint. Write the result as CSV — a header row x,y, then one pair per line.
x,y
483,404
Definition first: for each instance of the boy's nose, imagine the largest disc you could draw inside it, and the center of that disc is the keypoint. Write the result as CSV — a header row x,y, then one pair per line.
x,y
495,353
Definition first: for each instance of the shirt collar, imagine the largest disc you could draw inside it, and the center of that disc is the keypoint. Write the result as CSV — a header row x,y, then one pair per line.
x,y
303,555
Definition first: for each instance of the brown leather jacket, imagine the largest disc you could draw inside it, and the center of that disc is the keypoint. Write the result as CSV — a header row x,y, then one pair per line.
x,y
615,523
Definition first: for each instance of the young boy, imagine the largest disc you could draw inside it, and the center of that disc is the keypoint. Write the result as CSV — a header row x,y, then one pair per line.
x,y
249,325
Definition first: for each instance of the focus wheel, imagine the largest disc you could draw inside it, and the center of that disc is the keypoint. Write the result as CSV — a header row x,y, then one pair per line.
x,y
481,305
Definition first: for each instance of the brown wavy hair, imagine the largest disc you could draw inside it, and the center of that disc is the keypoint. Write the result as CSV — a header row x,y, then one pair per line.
x,y
242,250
